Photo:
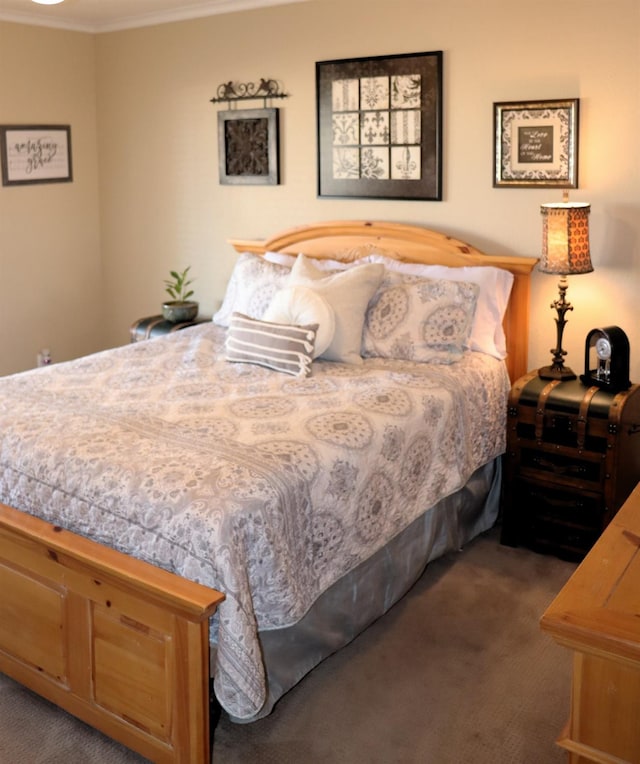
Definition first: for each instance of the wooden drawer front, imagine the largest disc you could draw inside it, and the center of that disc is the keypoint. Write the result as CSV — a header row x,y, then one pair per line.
x,y
131,671
605,718
554,519
562,466
564,430
37,612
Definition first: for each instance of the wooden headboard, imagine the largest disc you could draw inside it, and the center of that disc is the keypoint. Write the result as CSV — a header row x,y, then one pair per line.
x,y
350,240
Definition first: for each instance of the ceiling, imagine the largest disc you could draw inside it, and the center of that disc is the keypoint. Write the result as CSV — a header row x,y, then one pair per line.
x,y
111,15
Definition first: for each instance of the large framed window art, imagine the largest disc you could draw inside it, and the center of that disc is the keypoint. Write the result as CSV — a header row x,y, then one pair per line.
x,y
380,127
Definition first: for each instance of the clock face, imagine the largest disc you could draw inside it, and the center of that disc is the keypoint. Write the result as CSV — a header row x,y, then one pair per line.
x,y
603,348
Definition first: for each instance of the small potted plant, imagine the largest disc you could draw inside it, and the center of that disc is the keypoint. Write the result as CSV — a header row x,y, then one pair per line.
x,y
180,307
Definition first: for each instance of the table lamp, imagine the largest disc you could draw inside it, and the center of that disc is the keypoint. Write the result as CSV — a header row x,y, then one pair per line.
x,y
565,251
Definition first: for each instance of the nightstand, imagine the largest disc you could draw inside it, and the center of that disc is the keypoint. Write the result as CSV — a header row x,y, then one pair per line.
x,y
573,458
156,326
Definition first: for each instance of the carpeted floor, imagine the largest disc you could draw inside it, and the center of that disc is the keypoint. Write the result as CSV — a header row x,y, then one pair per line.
x,y
458,672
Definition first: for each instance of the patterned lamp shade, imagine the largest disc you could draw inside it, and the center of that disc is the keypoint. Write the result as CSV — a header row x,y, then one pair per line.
x,y
565,238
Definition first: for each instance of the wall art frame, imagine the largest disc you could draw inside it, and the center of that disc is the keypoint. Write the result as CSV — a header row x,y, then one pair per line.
x,y
536,143
248,147
35,154
379,125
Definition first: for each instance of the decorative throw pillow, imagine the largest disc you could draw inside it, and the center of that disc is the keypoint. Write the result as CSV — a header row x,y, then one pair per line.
x,y
300,305
348,293
252,285
487,333
418,319
281,347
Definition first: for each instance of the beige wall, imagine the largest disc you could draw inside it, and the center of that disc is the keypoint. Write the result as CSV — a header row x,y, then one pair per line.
x,y
50,264
161,205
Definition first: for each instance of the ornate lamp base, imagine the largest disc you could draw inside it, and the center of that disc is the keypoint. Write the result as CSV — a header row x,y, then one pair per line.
x,y
553,372
557,370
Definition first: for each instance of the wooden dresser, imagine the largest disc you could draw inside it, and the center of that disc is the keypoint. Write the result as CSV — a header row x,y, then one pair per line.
x,y
597,616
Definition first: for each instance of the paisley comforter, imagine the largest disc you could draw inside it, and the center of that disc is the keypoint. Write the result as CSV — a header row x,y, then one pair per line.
x,y
264,486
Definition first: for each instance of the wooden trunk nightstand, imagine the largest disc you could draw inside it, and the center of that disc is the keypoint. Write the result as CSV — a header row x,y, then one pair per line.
x,y
573,457
596,615
155,326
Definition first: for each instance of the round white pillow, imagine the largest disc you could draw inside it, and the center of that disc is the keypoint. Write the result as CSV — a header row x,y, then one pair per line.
x,y
300,305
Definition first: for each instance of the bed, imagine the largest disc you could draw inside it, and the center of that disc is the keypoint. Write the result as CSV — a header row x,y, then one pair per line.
x,y
177,512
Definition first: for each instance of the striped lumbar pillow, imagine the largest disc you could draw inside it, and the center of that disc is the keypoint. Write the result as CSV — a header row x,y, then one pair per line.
x,y
282,347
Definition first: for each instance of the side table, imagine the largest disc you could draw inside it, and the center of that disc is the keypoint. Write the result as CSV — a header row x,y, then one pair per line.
x,y
156,326
573,458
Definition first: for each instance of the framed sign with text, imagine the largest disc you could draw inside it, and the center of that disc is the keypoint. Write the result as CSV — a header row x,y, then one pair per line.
x,y
35,154
380,127
536,143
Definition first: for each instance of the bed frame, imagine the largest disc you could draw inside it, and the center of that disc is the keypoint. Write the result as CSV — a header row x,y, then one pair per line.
x,y
124,645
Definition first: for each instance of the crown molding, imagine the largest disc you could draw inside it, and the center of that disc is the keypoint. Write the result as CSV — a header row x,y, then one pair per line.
x,y
114,24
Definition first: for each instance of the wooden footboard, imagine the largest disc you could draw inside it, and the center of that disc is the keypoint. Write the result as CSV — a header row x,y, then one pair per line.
x,y
117,642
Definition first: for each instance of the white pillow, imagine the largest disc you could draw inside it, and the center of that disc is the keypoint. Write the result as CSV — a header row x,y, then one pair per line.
x,y
251,288
301,306
487,333
348,293
321,263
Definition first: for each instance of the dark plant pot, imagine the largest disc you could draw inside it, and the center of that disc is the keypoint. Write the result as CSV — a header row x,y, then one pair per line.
x,y
178,312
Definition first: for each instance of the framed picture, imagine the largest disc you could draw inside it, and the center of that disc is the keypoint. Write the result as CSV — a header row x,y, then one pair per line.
x,y
536,144
380,127
35,154
248,151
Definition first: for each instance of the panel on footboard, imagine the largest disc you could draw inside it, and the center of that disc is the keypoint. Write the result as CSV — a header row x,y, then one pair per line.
x,y
117,642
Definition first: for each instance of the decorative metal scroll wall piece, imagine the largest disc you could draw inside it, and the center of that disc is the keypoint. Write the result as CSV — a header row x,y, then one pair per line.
x,y
248,141
248,151
244,91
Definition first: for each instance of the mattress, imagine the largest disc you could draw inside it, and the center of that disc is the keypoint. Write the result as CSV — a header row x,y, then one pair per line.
x,y
266,487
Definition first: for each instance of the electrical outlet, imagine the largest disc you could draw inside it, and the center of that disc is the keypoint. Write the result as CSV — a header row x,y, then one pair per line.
x,y
44,357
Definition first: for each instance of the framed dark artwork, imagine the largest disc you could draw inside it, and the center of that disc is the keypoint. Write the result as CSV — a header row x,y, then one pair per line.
x,y
35,154
248,150
380,127
536,143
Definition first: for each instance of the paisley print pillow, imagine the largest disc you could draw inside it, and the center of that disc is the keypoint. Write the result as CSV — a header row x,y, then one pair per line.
x,y
252,285
416,319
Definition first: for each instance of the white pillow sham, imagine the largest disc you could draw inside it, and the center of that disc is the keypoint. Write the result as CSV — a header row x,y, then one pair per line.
x,y
487,333
348,293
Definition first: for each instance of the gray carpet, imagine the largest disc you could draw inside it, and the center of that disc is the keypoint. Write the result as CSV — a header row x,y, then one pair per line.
x,y
457,672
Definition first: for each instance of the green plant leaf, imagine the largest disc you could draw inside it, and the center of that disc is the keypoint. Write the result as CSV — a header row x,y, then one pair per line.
x,y
177,286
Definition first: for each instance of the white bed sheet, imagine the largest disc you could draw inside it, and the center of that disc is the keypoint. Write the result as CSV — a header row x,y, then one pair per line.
x,y
266,487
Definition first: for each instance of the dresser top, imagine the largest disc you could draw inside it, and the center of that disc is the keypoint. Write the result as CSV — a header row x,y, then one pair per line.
x,y
598,609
